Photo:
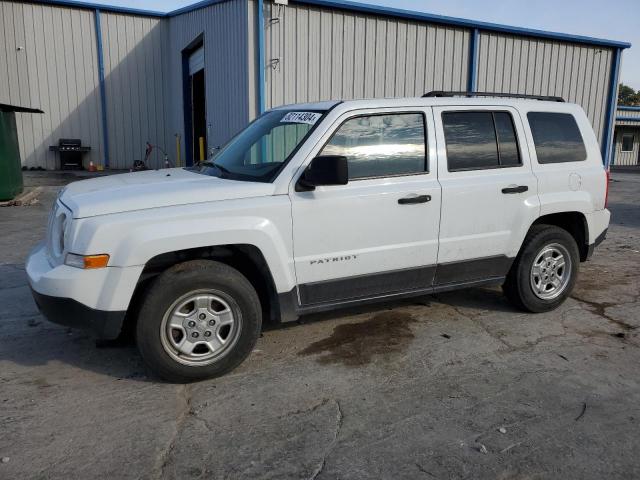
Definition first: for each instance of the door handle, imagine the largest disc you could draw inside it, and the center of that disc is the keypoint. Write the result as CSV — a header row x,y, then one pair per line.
x,y
413,200
517,189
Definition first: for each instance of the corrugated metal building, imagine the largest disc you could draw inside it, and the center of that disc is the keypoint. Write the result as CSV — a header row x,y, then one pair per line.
x,y
117,77
626,149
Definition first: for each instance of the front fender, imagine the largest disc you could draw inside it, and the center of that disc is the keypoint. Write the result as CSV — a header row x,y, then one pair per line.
x,y
133,238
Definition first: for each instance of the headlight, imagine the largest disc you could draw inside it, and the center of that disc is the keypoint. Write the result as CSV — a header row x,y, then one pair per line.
x,y
58,233
86,261
59,221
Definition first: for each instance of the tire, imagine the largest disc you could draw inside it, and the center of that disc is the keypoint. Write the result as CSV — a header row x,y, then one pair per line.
x,y
199,320
533,291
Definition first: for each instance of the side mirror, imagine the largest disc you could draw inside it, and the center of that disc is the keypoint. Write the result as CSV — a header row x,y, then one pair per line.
x,y
324,170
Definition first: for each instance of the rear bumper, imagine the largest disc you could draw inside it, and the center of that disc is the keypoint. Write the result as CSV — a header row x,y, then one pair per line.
x,y
70,313
598,241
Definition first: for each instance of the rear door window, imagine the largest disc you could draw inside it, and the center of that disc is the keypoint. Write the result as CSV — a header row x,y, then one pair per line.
x,y
557,137
479,140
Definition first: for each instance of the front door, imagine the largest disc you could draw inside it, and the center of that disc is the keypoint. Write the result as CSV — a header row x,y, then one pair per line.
x,y
377,235
489,193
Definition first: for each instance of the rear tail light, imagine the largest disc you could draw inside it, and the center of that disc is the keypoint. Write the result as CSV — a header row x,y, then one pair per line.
x,y
606,189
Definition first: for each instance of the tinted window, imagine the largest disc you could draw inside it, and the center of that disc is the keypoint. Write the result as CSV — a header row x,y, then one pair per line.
x,y
627,142
477,140
556,137
381,145
507,141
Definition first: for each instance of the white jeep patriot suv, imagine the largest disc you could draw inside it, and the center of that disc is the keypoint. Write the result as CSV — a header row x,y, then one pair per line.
x,y
318,206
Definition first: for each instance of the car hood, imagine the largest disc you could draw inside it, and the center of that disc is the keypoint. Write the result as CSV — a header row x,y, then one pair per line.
x,y
153,189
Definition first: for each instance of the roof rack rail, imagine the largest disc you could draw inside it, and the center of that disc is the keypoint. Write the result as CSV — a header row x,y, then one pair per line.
x,y
442,93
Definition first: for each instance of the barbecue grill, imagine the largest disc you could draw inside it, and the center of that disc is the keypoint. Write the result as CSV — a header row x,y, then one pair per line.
x,y
70,151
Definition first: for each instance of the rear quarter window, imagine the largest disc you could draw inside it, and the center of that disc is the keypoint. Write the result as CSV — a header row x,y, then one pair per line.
x,y
557,137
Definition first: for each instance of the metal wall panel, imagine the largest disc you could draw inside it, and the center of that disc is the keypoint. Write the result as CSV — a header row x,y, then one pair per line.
x,y
578,73
134,70
627,113
225,30
631,158
322,54
48,60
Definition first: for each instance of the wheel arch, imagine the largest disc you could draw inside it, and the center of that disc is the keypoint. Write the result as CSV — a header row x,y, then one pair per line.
x,y
246,258
575,223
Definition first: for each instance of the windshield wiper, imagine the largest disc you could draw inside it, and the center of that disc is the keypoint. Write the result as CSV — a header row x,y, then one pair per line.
x,y
211,163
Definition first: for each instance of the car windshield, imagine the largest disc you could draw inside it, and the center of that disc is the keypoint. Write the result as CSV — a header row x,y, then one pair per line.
x,y
258,152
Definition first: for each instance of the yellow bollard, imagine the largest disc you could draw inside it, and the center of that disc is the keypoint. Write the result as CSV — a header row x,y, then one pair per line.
x,y
201,141
178,161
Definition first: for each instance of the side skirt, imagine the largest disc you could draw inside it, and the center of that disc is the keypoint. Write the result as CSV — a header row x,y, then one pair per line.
x,y
291,310
393,285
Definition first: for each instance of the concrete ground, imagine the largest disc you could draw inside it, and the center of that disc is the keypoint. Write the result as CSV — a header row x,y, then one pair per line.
x,y
457,385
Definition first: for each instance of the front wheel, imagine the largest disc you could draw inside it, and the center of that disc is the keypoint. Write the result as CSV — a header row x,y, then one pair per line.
x,y
545,271
199,320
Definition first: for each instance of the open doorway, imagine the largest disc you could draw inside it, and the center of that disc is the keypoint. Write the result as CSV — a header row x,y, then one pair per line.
x,y
195,110
199,115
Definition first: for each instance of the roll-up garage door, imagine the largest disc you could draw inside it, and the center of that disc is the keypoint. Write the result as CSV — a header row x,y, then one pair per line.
x,y
196,61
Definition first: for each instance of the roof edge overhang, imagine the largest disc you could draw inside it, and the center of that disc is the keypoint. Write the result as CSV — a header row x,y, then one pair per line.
x,y
364,8
98,6
462,22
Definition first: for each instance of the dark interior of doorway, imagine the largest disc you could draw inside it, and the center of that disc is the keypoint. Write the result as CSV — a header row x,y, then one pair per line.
x,y
193,95
199,113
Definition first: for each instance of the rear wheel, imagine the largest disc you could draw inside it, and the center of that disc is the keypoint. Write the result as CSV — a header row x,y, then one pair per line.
x,y
199,320
545,271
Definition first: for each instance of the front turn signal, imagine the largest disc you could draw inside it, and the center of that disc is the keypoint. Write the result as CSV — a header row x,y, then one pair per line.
x,y
86,261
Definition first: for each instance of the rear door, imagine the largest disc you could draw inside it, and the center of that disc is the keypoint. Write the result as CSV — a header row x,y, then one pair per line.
x,y
489,193
377,235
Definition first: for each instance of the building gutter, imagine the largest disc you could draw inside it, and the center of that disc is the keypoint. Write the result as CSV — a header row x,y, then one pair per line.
x,y
103,91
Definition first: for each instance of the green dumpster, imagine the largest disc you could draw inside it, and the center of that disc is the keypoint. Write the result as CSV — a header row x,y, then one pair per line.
x,y
10,165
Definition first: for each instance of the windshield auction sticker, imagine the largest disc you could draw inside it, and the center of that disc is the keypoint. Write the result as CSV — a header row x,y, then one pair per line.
x,y
301,117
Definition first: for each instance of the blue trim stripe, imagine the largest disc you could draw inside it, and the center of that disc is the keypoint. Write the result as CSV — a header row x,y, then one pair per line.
x,y
474,46
371,9
103,90
629,109
261,60
607,141
627,119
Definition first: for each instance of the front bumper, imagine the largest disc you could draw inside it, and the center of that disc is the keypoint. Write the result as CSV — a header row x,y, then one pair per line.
x,y
70,313
96,299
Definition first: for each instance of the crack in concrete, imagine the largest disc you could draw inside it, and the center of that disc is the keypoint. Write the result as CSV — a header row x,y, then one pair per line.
x,y
306,410
339,421
475,319
426,472
184,407
599,309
